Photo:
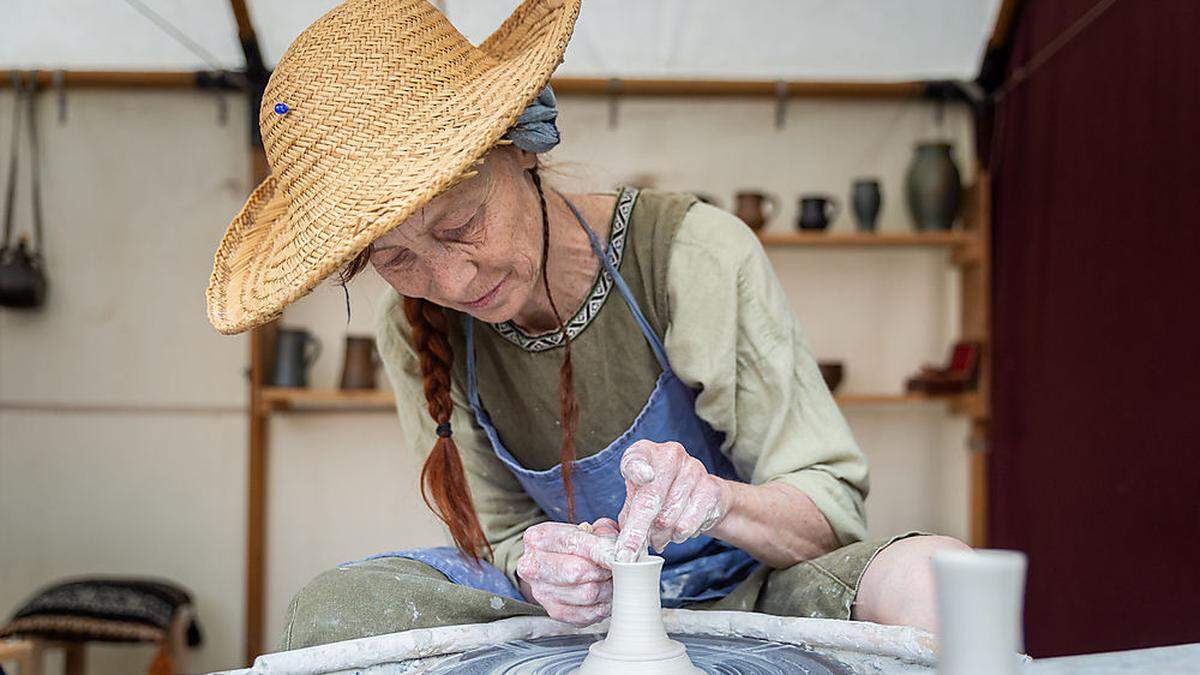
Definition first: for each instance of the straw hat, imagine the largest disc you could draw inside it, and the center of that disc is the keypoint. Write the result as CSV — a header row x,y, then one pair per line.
x,y
374,110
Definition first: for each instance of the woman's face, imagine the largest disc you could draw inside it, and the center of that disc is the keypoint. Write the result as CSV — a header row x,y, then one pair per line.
x,y
476,247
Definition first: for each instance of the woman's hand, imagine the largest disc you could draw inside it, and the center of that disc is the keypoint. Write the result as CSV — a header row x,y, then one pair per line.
x,y
565,569
669,497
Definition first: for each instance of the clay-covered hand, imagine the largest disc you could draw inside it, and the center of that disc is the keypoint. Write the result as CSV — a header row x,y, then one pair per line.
x,y
565,569
669,497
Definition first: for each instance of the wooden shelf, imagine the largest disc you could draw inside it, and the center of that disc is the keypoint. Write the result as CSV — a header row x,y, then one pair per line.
x,y
327,400
968,249
379,400
951,239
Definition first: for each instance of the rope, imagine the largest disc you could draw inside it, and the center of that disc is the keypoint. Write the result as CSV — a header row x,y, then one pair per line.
x,y
176,34
1022,73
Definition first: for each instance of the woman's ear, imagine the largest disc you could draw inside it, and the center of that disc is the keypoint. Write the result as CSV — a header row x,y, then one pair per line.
x,y
525,159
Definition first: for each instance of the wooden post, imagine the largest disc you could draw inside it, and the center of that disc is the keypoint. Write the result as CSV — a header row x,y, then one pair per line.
x,y
256,506
976,325
256,493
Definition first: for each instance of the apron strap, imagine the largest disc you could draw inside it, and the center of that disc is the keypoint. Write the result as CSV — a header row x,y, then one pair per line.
x,y
472,379
656,345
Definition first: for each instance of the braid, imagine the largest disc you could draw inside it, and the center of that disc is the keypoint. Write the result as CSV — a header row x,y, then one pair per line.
x,y
443,481
568,403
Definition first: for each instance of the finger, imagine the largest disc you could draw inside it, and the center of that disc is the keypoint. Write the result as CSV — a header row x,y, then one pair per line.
x,y
630,488
605,527
579,616
560,569
636,528
580,595
637,463
702,509
644,501
570,540
678,499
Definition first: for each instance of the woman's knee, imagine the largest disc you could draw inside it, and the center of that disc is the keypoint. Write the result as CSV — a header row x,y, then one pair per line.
x,y
897,586
355,600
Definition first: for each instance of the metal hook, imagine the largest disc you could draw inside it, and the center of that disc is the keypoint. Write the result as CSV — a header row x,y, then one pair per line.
x,y
58,81
781,101
614,90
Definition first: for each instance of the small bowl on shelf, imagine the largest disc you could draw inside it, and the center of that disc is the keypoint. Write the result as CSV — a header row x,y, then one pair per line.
x,y
832,372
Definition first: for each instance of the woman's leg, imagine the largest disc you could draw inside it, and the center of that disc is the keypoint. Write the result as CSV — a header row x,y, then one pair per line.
x,y
886,581
387,595
897,586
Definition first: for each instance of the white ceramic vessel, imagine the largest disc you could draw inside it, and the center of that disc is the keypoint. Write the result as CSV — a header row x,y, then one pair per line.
x,y
979,597
637,641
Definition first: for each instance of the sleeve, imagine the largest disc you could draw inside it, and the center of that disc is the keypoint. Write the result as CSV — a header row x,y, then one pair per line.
x,y
733,335
504,509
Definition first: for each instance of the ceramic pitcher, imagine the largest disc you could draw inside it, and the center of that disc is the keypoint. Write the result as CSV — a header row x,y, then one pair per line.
x,y
749,206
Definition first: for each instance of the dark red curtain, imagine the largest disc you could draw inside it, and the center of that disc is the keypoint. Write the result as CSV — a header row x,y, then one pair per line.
x,y
1095,462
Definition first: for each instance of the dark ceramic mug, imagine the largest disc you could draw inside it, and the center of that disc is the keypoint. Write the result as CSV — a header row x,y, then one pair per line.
x,y
817,212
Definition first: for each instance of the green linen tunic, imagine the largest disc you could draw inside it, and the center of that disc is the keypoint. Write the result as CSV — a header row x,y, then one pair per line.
x,y
706,286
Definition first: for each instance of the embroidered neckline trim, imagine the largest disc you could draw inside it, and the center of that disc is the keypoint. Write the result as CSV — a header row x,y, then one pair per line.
x,y
615,251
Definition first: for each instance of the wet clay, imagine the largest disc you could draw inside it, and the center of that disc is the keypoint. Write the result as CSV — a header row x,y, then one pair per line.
x,y
637,641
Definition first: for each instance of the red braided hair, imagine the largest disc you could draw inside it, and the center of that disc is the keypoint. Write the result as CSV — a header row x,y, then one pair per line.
x,y
444,485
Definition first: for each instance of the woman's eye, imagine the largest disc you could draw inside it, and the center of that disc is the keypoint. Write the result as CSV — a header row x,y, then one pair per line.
x,y
460,233
402,258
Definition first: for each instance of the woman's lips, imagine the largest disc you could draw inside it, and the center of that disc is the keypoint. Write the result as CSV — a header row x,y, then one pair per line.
x,y
487,299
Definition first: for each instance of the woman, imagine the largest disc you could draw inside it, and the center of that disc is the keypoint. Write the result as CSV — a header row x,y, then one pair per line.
x,y
603,373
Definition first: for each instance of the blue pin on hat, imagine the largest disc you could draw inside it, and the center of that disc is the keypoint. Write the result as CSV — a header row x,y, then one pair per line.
x,y
281,108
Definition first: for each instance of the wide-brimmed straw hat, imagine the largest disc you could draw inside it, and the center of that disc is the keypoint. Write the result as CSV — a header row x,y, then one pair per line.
x,y
375,109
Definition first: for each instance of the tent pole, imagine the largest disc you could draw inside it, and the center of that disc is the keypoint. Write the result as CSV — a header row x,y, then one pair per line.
x,y
255,80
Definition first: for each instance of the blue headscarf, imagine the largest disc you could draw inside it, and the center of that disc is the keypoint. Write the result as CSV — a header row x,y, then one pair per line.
x,y
534,130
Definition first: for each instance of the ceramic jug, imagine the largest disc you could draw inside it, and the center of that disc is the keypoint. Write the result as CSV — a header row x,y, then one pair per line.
x,y
360,362
295,351
748,205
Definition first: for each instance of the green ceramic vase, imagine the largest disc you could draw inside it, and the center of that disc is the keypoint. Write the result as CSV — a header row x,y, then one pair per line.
x,y
933,186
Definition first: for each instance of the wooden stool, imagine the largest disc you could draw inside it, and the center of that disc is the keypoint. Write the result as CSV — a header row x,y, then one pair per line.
x,y
28,653
22,653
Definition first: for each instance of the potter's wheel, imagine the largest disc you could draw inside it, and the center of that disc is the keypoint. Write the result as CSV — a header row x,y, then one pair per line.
x,y
562,654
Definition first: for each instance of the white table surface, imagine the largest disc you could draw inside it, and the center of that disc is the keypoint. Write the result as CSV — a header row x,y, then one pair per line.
x,y
1160,661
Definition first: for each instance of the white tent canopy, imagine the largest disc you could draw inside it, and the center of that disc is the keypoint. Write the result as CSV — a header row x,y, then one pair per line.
x,y
794,40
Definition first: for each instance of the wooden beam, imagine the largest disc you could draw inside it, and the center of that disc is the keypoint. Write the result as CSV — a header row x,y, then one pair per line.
x,y
743,88
105,79
242,16
1004,23
562,85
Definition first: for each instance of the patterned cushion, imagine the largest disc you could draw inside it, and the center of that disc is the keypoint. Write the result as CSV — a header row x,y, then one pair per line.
x,y
111,609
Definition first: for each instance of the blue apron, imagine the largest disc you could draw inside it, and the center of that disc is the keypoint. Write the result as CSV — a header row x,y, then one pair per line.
x,y
701,568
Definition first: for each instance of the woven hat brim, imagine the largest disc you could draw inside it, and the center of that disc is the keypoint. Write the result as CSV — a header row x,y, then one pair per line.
x,y
278,248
